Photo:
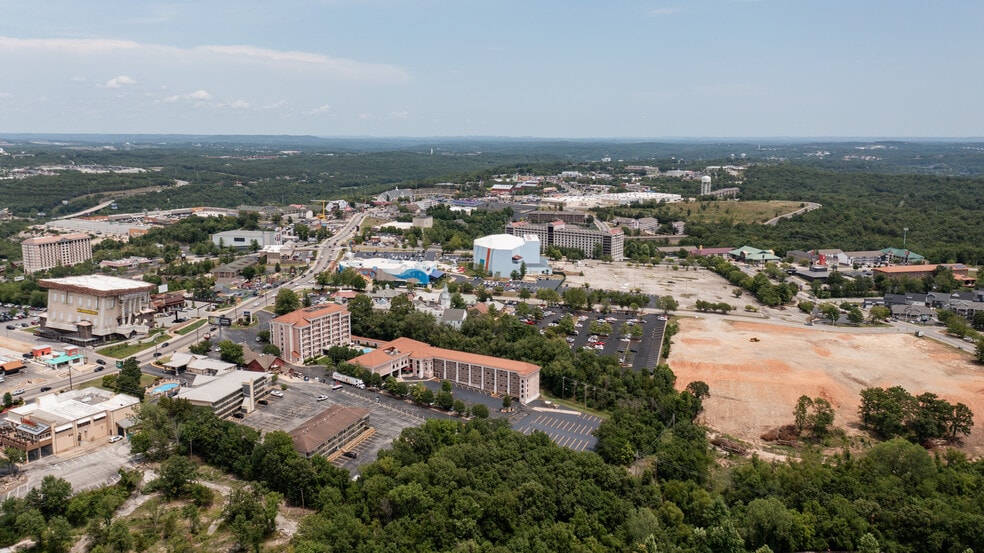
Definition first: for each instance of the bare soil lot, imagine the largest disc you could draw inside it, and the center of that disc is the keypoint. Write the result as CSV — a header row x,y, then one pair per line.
x,y
754,385
687,286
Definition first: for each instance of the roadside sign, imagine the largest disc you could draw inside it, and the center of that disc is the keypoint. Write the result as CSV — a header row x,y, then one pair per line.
x,y
225,321
119,364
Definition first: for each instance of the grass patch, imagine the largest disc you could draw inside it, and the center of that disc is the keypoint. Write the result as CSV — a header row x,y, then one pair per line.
x,y
565,403
731,212
193,326
124,350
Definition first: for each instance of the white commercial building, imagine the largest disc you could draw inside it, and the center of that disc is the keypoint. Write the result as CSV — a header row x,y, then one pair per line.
x,y
501,254
47,252
91,308
54,424
242,239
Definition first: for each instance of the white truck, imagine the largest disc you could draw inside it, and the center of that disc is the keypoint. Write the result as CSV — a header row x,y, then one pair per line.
x,y
351,380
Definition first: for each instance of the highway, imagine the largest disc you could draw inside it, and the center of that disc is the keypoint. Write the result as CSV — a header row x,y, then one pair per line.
x,y
327,252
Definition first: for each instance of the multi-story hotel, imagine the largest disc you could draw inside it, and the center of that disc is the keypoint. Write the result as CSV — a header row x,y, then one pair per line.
x,y
307,332
482,372
89,309
46,252
559,234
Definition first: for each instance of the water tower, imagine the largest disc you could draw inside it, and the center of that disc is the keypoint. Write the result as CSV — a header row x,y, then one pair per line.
x,y
705,185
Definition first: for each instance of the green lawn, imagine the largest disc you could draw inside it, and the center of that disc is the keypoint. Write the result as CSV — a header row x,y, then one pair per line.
x,y
192,327
124,350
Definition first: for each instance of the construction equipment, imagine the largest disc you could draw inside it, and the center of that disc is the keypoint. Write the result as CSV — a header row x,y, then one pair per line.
x,y
323,215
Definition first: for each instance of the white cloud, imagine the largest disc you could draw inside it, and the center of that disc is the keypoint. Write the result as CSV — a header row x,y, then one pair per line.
x,y
324,108
660,12
6,95
398,114
201,95
119,82
213,56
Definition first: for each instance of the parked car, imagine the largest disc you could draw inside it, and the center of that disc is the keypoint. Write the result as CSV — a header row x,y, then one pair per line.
x,y
45,389
350,454
165,344
321,398
19,391
97,369
114,439
276,393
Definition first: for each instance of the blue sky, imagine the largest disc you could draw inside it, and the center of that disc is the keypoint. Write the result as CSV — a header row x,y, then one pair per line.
x,y
542,68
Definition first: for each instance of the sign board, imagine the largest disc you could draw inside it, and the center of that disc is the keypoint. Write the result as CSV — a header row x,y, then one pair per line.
x,y
119,364
225,321
246,315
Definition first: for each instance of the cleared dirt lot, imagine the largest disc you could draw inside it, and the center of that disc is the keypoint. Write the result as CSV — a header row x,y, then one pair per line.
x,y
687,286
754,385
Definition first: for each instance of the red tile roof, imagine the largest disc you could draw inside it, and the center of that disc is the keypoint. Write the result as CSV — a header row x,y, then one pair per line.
x,y
302,317
420,350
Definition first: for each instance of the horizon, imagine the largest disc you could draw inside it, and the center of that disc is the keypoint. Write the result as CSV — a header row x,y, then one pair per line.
x,y
637,70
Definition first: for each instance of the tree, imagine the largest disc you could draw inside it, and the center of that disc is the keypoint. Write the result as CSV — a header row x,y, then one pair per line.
x,y
868,544
576,298
479,410
459,407
251,515
175,475
286,302
879,313
231,352
271,349
815,415
699,389
524,293
855,316
667,304
506,402
200,348
51,498
444,399
830,312
128,381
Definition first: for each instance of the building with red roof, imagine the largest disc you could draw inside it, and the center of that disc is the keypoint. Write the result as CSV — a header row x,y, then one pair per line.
x,y
493,375
307,332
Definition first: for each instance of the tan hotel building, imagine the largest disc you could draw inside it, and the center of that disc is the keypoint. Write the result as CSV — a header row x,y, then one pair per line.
x,y
482,372
307,332
47,252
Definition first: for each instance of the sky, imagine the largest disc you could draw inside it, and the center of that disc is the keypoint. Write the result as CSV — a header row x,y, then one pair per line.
x,y
518,68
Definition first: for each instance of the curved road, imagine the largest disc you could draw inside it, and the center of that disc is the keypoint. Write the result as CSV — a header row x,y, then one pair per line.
x,y
808,206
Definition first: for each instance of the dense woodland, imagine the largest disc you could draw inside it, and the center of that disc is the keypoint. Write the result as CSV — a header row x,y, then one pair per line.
x,y
654,484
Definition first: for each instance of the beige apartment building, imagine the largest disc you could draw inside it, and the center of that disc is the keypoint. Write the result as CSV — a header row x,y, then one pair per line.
x,y
89,309
47,252
493,375
307,332
558,233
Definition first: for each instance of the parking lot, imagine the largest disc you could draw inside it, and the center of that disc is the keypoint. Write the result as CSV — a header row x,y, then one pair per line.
x,y
388,416
566,428
639,354
84,472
